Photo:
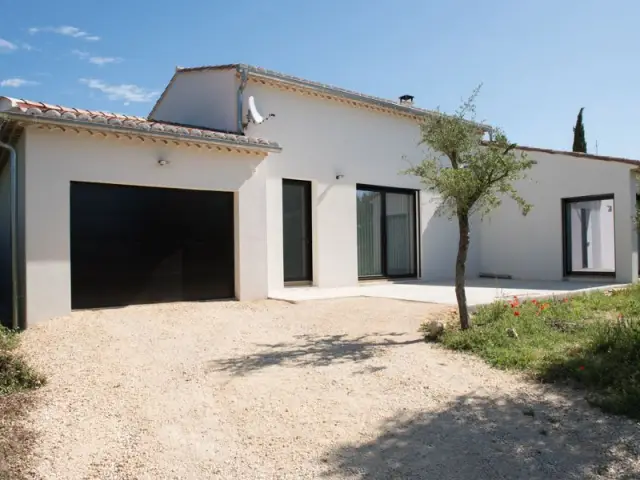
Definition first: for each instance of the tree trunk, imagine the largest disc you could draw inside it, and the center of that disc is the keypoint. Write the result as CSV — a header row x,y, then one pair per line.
x,y
461,262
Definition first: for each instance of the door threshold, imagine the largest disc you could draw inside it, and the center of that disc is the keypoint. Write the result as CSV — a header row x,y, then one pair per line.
x,y
367,281
299,283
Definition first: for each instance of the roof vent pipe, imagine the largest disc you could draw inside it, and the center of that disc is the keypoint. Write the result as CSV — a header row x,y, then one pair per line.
x,y
406,100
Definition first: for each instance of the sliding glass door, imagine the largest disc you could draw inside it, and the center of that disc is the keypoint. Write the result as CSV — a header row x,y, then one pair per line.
x,y
369,234
589,235
400,232
386,232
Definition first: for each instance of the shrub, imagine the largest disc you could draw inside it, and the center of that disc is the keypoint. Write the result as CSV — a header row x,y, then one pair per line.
x,y
15,373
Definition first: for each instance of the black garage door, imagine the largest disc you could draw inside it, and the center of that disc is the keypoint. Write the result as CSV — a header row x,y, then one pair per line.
x,y
133,245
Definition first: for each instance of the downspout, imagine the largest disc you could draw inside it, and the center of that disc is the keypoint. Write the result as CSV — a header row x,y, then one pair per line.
x,y
243,83
13,206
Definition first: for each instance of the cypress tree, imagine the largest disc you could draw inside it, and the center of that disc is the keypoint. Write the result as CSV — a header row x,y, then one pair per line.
x,y
579,141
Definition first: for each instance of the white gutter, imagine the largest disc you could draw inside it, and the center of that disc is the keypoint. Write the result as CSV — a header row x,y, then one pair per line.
x,y
13,206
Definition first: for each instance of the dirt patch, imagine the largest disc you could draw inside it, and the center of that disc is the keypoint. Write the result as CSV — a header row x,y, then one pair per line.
x,y
339,389
16,438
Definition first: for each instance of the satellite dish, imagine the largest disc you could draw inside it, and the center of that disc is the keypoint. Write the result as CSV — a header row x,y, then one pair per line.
x,y
253,111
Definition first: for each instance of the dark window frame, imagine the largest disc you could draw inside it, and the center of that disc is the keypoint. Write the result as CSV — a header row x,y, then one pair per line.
x,y
308,186
566,249
383,230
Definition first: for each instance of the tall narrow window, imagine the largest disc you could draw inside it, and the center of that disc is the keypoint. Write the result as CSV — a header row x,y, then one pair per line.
x,y
589,235
296,234
386,232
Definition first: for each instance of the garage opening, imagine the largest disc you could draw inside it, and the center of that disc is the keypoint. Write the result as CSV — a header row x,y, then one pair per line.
x,y
136,245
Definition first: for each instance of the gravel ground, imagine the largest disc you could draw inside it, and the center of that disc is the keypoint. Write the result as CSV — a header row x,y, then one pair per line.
x,y
337,389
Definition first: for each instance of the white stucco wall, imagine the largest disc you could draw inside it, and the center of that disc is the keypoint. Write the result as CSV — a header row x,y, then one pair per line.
x,y
202,98
531,247
54,159
322,139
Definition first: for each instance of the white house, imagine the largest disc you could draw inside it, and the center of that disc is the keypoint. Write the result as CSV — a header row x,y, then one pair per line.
x,y
192,204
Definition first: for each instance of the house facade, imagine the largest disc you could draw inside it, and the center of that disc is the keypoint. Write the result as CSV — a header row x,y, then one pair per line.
x,y
341,163
192,204
115,210
580,227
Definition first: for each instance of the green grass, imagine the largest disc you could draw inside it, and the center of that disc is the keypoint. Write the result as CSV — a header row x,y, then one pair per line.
x,y
590,341
15,374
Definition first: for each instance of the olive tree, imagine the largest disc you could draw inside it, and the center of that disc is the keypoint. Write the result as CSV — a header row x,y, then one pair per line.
x,y
469,176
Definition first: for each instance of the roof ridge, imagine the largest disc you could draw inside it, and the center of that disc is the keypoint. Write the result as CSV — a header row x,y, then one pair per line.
x,y
309,84
276,75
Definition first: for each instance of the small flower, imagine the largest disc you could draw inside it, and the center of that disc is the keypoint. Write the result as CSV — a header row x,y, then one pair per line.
x,y
565,300
516,313
581,367
534,301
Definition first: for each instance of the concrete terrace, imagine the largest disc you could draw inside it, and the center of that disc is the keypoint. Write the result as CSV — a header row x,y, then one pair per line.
x,y
479,290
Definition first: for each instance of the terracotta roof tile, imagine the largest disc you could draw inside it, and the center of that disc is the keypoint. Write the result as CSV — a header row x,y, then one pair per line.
x,y
50,107
57,112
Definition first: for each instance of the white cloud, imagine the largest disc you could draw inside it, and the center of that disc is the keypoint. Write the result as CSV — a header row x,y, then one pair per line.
x,y
7,46
127,93
104,60
69,31
95,59
80,53
17,82
27,47
65,30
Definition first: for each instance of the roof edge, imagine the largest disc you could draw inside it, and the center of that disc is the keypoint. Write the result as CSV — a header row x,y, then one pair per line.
x,y
349,94
259,72
33,119
589,156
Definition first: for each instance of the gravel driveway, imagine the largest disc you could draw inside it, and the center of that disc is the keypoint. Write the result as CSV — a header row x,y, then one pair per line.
x,y
336,389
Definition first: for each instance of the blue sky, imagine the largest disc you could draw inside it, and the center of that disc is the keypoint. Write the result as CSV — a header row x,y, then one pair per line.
x,y
539,61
